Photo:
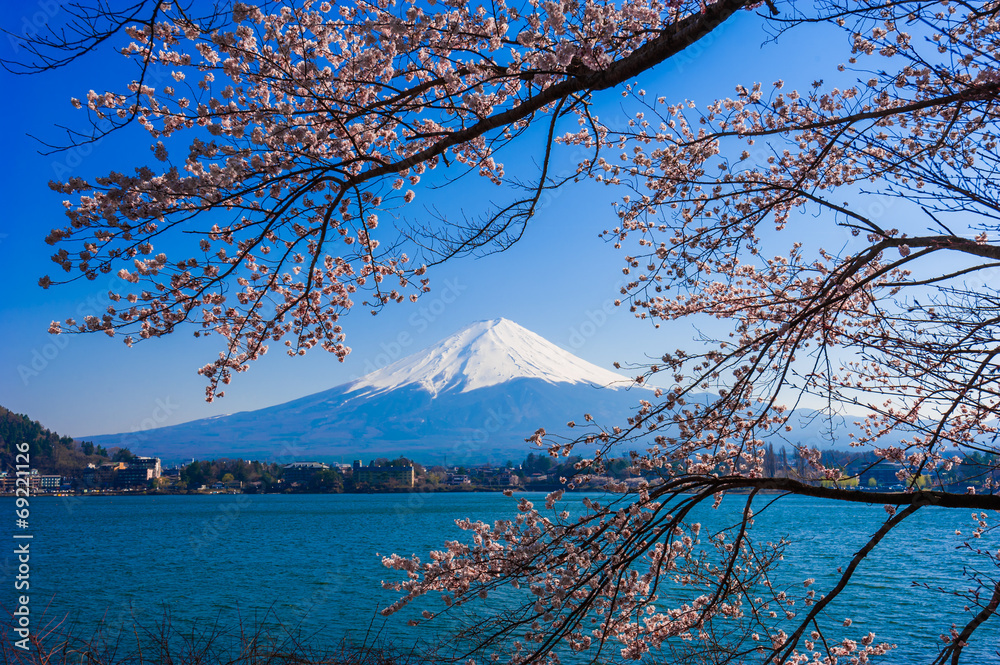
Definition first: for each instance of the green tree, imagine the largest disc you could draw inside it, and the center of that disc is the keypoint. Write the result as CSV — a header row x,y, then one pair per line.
x,y
123,455
327,480
196,474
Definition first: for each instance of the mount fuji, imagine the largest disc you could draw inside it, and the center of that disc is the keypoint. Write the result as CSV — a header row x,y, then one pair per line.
x,y
472,397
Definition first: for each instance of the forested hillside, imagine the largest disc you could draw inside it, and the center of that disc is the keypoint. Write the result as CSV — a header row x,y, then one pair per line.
x,y
49,452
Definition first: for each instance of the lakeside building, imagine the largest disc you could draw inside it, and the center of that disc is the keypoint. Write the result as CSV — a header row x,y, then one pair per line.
x,y
503,478
232,485
881,473
133,476
135,473
106,474
138,471
36,482
301,472
486,474
49,483
151,463
400,476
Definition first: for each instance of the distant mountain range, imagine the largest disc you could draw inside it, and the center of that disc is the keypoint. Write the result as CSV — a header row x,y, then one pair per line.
x,y
472,397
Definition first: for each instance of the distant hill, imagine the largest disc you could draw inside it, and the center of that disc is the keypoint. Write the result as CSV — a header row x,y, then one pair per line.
x,y
49,452
472,397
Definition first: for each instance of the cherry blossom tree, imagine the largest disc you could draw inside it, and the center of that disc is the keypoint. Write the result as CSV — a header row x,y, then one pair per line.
x,y
305,121
895,324
286,129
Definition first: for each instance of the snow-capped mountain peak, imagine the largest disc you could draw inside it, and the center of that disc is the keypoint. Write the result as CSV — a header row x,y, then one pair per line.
x,y
482,354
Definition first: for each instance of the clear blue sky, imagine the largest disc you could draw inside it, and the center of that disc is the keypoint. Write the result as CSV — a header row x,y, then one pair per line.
x,y
558,281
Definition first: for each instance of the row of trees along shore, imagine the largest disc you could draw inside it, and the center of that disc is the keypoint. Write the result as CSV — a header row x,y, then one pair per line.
x,y
542,473
61,455
283,130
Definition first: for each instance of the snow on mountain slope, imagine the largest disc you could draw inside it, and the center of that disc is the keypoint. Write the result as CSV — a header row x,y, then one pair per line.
x,y
483,354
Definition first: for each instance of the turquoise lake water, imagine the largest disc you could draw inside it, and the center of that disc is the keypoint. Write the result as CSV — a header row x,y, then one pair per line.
x,y
314,561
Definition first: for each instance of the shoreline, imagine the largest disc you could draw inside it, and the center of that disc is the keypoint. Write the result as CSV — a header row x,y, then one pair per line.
x,y
413,490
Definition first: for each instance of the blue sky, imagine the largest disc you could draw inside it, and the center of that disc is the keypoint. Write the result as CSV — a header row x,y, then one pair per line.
x,y
558,281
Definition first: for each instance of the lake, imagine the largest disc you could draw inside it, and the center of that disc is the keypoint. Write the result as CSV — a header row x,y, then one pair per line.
x,y
314,561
